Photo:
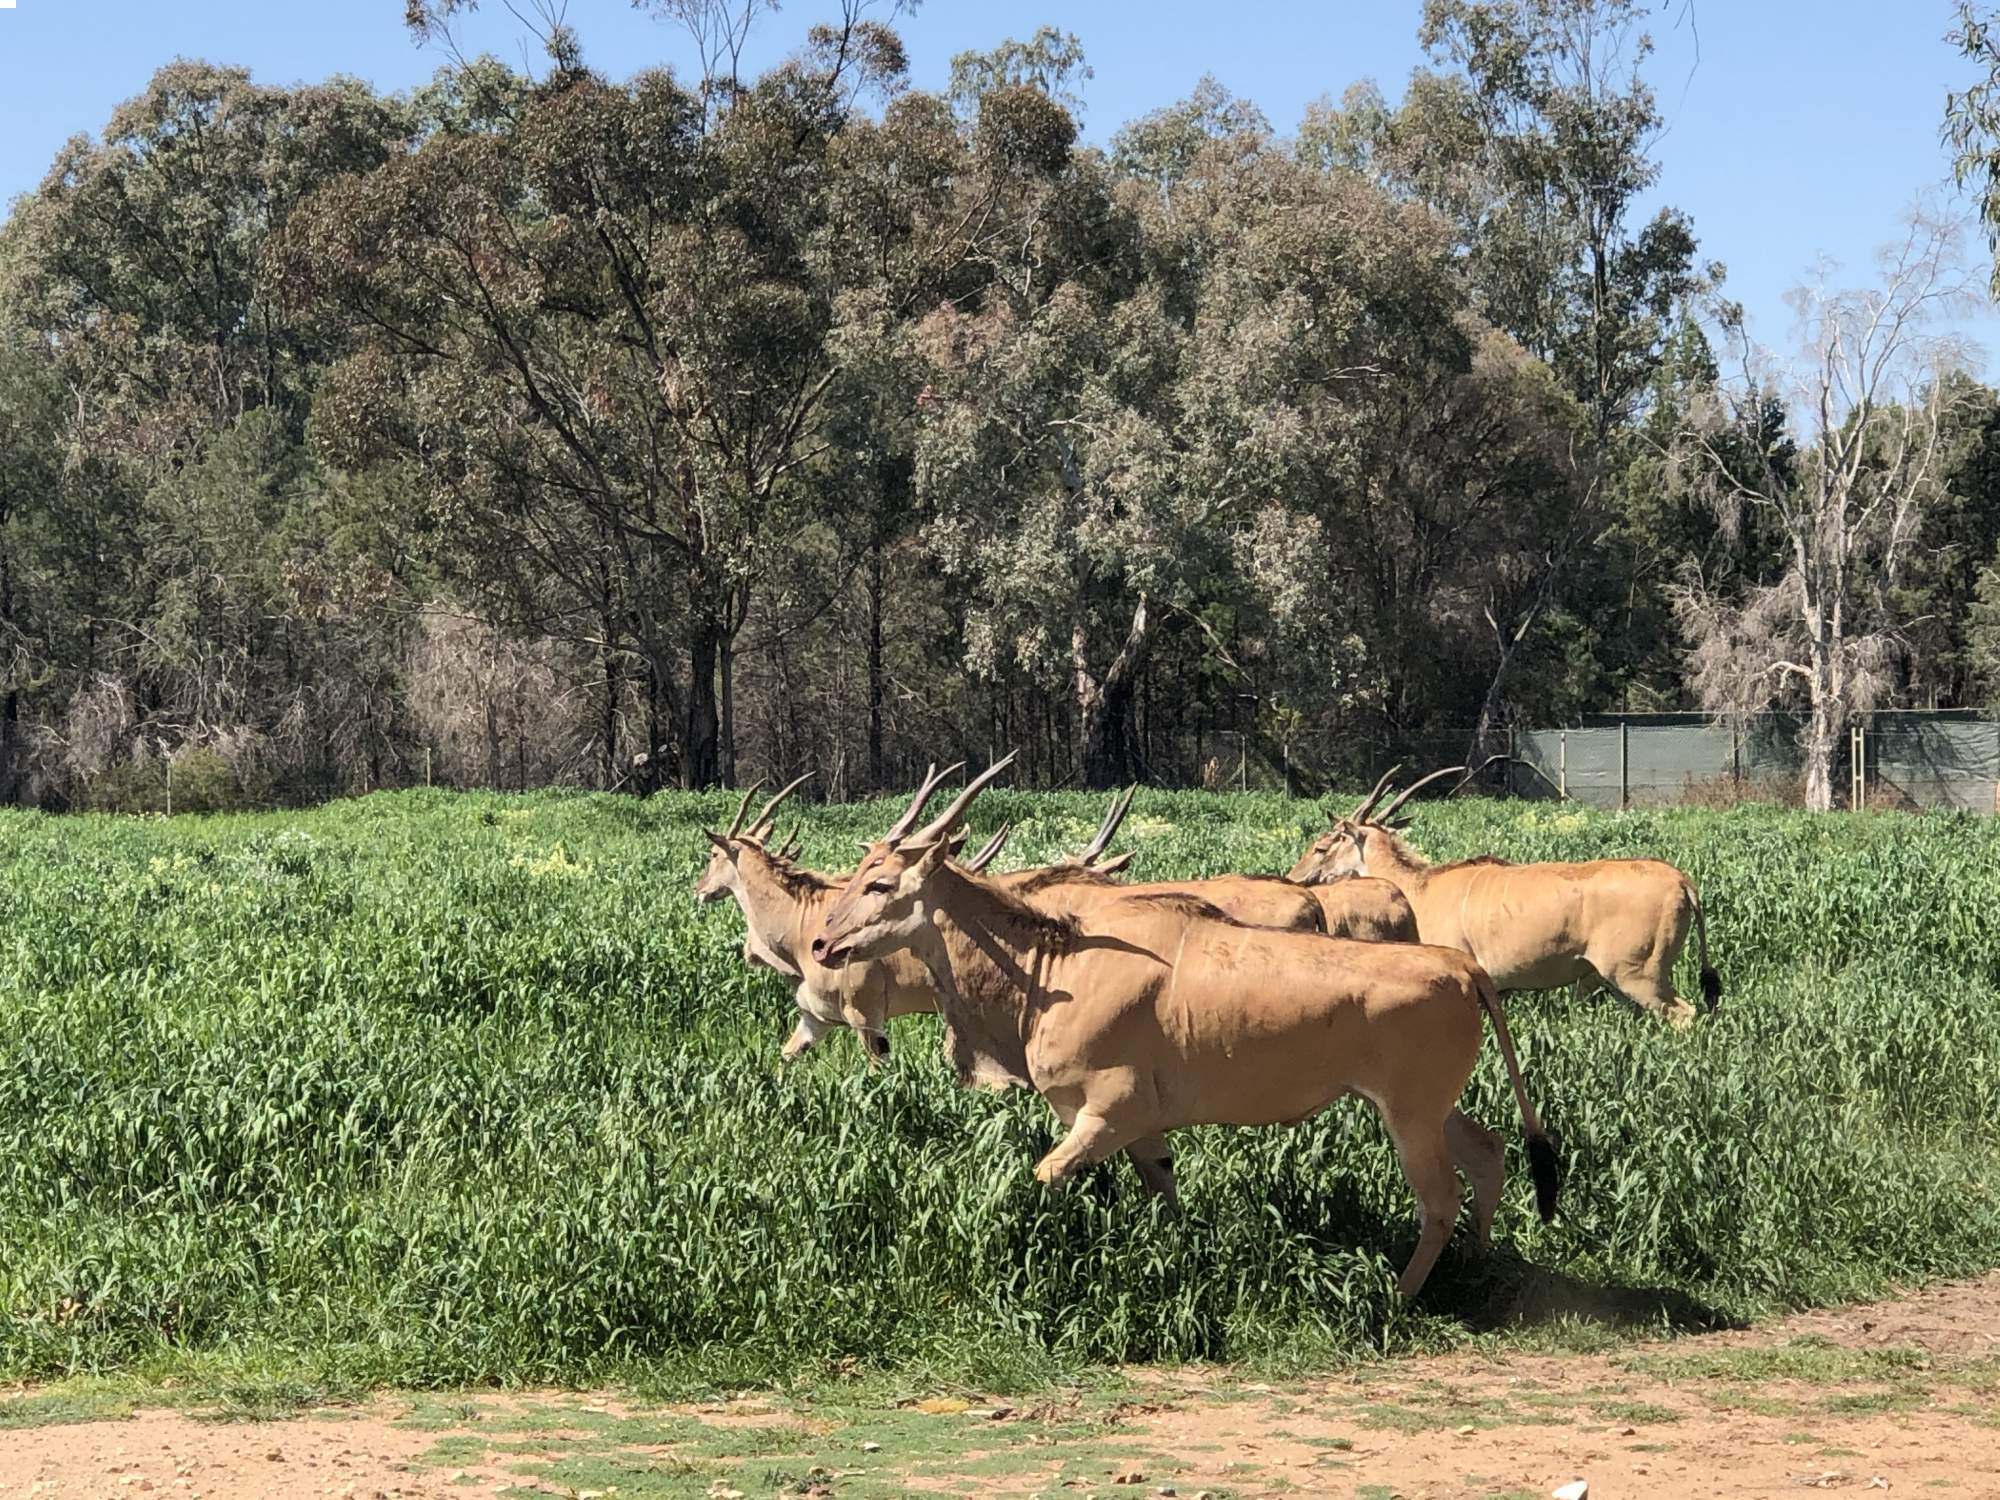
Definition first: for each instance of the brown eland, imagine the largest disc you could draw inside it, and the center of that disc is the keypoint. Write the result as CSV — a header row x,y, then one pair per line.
x,y
1156,1012
1619,923
1371,910
783,904
1084,879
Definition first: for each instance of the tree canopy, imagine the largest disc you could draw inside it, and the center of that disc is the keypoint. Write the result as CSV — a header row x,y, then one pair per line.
x,y
541,425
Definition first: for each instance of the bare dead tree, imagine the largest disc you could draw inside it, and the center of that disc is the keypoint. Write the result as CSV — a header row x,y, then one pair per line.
x,y
1868,396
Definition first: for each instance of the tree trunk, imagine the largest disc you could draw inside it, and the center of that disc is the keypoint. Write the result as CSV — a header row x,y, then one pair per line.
x,y
1818,742
1104,705
646,765
493,765
10,746
1488,722
1489,718
726,658
10,704
876,779
607,728
700,762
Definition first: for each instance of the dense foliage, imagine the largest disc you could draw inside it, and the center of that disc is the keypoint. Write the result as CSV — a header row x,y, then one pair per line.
x,y
550,428
441,1087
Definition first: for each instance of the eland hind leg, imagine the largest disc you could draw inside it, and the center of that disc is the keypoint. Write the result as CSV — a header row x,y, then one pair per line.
x,y
1650,986
1427,1163
1483,1159
1645,974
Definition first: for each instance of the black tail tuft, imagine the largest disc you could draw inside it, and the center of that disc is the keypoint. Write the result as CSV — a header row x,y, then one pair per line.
x,y
1711,986
1542,1161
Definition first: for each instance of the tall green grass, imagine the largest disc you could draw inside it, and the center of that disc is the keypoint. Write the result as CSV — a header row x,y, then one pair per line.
x,y
433,1088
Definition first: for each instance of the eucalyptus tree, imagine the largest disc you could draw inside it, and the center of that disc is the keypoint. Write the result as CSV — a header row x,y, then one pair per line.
x,y
600,332
30,478
135,271
1876,392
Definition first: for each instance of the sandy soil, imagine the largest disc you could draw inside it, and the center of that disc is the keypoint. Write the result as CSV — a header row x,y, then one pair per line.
x,y
1901,1396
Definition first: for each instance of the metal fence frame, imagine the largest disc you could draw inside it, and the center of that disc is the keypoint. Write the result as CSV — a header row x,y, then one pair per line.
x,y
1944,758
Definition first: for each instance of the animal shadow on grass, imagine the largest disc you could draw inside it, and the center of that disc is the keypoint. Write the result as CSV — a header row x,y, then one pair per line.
x,y
1496,1289
1489,1291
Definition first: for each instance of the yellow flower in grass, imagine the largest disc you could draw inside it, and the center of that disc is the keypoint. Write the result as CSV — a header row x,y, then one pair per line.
x,y
555,865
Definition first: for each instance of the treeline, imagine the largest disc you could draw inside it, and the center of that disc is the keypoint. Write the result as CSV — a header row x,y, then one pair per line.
x,y
554,429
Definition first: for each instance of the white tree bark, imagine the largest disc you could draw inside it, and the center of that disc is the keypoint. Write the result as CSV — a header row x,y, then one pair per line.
x,y
1867,403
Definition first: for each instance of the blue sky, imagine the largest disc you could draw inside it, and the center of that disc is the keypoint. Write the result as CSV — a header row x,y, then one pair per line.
x,y
1796,128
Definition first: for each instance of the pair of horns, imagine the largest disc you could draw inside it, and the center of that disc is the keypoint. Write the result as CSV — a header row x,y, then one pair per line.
x,y
978,863
1094,850
1366,812
761,826
956,841
901,831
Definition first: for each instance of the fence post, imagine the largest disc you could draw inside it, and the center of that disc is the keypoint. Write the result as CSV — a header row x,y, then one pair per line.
x,y
1624,765
170,786
1562,764
1513,760
1736,755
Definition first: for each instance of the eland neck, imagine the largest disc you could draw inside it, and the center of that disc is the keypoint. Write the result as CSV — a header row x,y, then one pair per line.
x,y
987,953
1388,858
779,901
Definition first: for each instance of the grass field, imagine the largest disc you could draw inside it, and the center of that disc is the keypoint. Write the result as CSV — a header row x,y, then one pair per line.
x,y
429,1089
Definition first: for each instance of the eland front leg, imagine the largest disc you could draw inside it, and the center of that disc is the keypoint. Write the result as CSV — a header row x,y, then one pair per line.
x,y
1153,1160
810,1029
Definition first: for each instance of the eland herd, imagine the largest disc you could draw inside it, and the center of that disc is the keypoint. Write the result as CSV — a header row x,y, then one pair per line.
x,y
1137,1009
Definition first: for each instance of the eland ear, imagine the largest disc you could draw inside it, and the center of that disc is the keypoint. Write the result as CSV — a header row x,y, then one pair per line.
x,y
718,840
1116,863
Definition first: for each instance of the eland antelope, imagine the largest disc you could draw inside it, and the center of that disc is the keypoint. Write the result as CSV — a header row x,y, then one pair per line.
x,y
1154,1012
1616,922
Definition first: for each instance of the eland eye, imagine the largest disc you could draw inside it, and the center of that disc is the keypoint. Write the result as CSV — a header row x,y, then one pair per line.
x,y
880,887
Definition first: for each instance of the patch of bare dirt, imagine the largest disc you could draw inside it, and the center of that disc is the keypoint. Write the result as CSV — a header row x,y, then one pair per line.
x,y
161,1454
1896,1396
1957,1320
1707,1416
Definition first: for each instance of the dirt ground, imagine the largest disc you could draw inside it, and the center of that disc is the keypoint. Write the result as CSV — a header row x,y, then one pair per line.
x,y
1902,1396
